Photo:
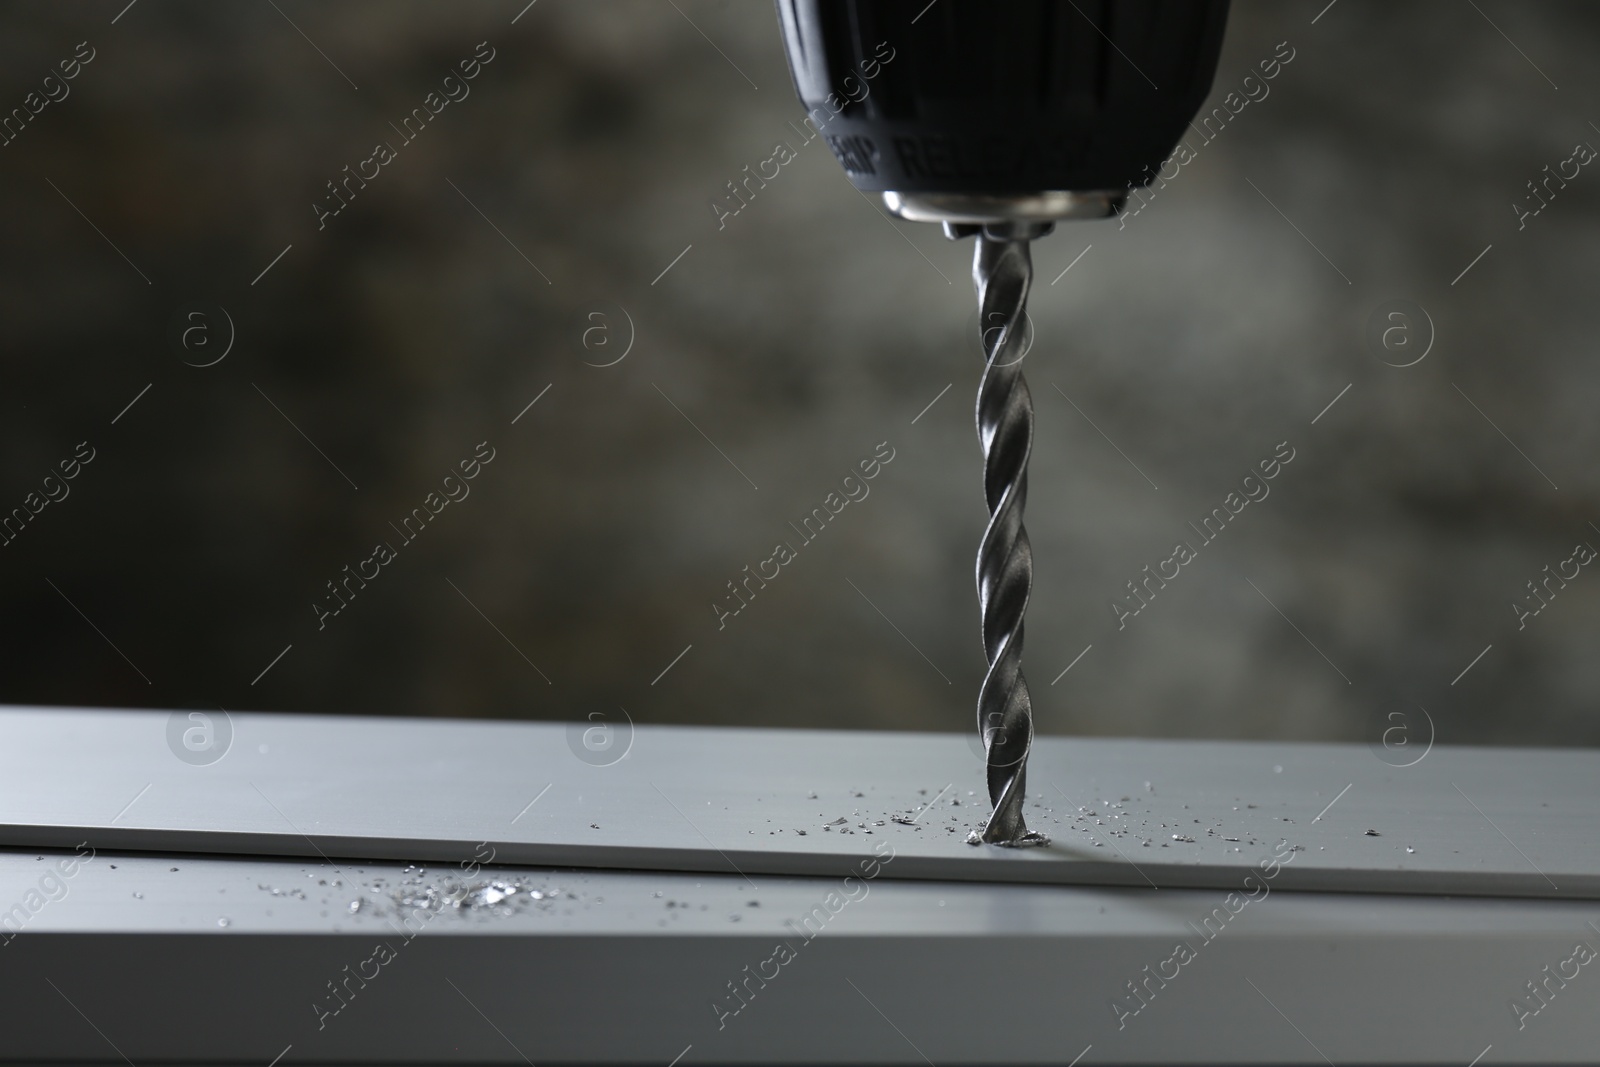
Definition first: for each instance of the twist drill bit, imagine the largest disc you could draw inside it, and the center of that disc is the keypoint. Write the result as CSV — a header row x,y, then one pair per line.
x,y
1002,271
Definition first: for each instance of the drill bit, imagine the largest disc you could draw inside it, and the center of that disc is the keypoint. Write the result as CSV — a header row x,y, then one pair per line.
x,y
1002,271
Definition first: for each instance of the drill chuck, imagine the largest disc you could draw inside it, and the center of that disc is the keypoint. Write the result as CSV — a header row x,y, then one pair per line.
x,y
978,110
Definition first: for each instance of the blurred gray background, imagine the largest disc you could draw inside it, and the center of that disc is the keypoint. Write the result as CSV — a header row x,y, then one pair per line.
x,y
773,355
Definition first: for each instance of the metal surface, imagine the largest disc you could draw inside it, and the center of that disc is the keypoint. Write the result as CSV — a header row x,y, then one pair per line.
x,y
980,208
1002,271
127,960
1134,813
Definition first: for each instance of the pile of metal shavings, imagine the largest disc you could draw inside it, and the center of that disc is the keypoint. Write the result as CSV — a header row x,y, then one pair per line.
x,y
469,897
497,896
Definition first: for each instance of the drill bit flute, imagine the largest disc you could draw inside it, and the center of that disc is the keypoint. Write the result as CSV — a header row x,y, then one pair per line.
x,y
1002,271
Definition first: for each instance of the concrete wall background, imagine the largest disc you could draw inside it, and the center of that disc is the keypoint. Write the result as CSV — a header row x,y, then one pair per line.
x,y
796,338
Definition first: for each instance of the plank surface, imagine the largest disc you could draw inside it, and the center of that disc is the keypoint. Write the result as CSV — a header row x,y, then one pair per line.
x,y
1135,813
199,959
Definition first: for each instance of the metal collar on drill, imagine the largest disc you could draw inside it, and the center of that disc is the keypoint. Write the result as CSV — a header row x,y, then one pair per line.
x,y
978,209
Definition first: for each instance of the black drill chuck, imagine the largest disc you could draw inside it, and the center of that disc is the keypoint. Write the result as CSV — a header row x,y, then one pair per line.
x,y
1001,96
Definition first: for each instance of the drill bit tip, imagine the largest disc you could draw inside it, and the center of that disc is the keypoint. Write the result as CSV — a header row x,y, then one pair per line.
x,y
1030,839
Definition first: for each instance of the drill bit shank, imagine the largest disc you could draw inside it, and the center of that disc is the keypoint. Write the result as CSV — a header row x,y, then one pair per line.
x,y
1002,271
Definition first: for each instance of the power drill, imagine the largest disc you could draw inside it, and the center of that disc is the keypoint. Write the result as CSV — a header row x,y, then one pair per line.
x,y
997,118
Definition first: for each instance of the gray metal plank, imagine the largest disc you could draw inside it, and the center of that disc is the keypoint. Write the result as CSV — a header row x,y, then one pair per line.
x,y
125,956
1175,814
